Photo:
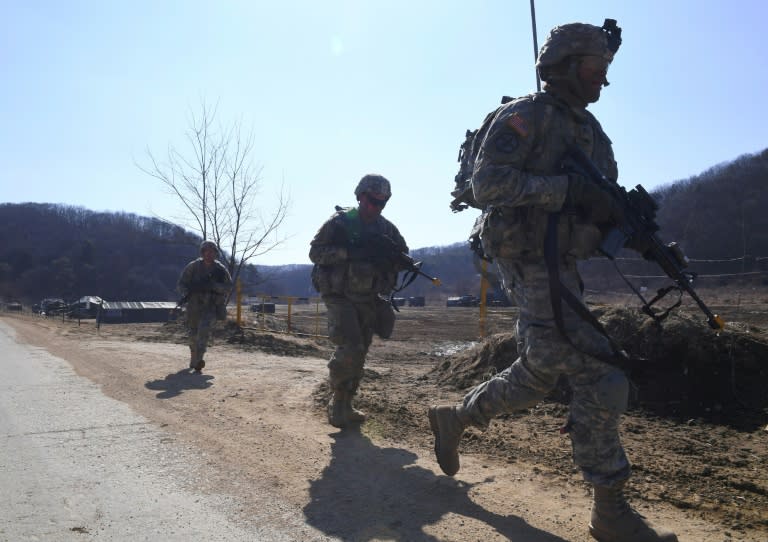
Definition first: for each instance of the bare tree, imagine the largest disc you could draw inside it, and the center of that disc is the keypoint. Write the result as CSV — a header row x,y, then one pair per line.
x,y
217,181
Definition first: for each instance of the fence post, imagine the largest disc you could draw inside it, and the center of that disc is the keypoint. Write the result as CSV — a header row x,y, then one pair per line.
x,y
290,303
483,293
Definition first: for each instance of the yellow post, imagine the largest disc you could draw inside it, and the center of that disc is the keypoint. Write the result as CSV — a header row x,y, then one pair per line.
x,y
483,292
290,302
317,318
239,298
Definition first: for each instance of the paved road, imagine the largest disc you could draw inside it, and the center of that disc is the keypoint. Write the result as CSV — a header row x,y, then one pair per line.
x,y
76,465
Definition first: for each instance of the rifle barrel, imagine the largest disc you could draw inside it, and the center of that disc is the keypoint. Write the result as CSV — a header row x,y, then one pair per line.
x,y
714,320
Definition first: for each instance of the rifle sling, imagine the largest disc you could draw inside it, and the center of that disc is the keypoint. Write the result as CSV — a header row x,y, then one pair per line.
x,y
408,278
647,306
558,292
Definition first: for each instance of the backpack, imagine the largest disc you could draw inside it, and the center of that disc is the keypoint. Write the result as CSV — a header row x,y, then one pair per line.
x,y
462,192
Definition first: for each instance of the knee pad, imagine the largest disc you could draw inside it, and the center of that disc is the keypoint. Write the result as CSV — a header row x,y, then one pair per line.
x,y
612,391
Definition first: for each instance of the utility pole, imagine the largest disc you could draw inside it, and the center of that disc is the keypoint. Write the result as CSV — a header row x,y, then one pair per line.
x,y
535,46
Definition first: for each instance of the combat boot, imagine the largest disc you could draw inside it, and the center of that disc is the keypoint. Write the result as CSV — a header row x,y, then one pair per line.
x,y
448,424
614,520
336,409
351,413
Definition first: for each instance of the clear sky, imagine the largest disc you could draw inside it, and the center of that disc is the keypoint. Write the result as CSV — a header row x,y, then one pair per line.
x,y
336,89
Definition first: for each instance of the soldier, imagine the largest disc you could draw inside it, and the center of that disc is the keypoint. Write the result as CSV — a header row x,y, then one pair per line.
x,y
352,279
203,285
538,222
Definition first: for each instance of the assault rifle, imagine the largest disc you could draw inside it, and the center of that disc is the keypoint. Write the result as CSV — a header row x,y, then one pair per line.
x,y
384,247
639,228
202,285
381,247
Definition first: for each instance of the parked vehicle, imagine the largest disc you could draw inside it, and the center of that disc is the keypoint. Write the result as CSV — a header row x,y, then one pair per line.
x,y
51,305
266,308
498,301
416,301
463,301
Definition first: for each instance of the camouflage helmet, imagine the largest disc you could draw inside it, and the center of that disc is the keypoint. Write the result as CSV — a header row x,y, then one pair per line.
x,y
374,184
209,244
579,39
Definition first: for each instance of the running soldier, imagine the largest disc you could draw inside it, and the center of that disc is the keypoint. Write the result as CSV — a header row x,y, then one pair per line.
x,y
539,221
203,285
354,280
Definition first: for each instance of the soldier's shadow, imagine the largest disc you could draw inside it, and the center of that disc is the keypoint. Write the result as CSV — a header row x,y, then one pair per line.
x,y
175,384
371,493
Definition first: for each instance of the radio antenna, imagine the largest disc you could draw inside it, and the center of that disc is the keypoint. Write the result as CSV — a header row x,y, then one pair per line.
x,y
535,46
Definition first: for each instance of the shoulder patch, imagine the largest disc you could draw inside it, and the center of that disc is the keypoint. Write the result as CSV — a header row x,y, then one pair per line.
x,y
518,124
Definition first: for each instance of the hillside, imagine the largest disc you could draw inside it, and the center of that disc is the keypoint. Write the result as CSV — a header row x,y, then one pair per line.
x,y
49,250
716,217
60,251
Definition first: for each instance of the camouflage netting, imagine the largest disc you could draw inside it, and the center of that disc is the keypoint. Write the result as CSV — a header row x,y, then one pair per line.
x,y
680,368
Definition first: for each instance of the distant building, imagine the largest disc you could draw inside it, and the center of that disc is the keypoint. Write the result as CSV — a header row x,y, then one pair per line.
x,y
125,312
86,307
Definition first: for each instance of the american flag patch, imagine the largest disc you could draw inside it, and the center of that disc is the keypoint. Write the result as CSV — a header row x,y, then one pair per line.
x,y
518,124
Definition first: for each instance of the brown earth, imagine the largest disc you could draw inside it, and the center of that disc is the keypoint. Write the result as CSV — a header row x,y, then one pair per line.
x,y
696,432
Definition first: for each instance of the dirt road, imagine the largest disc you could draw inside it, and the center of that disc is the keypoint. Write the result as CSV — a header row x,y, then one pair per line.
x,y
77,465
253,424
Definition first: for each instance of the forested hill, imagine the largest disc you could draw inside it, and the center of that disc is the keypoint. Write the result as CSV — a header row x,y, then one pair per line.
x,y
61,251
722,213
719,218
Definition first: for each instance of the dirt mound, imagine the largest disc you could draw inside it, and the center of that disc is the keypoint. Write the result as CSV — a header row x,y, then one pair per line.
x,y
479,362
268,342
247,338
680,368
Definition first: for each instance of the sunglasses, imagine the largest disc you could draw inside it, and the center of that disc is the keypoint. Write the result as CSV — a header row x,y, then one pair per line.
x,y
380,203
593,62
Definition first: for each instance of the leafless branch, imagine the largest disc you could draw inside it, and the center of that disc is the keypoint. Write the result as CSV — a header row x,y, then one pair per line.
x,y
218,183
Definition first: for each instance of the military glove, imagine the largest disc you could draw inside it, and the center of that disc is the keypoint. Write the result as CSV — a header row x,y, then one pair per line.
x,y
596,204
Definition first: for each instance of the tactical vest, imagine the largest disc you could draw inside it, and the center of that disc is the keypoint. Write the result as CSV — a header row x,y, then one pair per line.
x,y
356,279
518,232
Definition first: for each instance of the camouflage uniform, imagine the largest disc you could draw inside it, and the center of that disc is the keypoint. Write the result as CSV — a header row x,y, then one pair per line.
x,y
517,174
519,181
205,289
354,290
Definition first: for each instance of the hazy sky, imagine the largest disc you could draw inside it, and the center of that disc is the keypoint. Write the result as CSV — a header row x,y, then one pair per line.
x,y
337,89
